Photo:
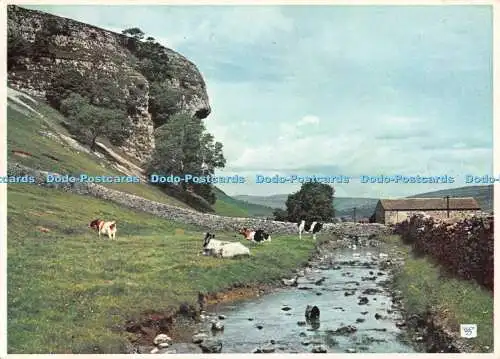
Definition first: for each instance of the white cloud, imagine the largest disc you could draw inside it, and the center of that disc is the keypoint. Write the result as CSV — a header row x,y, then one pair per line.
x,y
308,119
401,121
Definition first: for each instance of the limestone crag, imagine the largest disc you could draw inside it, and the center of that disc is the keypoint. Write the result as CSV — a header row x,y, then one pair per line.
x,y
207,221
60,43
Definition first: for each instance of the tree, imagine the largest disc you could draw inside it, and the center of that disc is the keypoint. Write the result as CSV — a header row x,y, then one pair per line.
x,y
96,86
65,82
106,92
135,32
313,202
17,47
280,215
89,122
57,26
206,191
184,147
213,156
163,102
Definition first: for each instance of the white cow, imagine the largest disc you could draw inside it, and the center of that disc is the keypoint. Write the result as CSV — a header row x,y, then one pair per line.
x,y
223,249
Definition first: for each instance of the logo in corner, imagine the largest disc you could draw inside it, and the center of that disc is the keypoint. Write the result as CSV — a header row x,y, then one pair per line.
x,y
468,330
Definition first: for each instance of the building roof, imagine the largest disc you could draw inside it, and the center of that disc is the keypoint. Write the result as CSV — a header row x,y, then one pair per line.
x,y
429,204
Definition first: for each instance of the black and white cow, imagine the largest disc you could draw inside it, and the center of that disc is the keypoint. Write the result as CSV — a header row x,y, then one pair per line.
x,y
261,236
309,227
258,236
212,245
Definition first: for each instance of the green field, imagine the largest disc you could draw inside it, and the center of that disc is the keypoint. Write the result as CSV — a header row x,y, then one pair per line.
x,y
67,290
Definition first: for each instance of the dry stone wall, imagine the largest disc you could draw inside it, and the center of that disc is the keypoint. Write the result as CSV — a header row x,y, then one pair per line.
x,y
464,247
207,221
393,217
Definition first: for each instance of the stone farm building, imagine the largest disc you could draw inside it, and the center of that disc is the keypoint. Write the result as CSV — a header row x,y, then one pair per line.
x,y
392,211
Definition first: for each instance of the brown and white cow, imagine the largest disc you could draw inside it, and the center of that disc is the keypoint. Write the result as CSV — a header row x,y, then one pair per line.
x,y
102,227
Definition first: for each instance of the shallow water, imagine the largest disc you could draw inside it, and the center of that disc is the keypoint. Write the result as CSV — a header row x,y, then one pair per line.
x,y
280,327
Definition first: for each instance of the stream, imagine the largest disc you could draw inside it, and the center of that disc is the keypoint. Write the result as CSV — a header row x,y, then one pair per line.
x,y
348,323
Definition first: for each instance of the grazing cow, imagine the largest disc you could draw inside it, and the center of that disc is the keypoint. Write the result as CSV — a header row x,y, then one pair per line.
x,y
258,236
102,227
309,227
223,249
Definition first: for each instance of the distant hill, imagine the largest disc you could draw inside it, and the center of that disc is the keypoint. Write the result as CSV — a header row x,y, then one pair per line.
x,y
273,201
343,205
366,206
482,194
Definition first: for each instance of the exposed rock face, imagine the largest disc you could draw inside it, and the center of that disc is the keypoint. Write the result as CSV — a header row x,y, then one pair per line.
x,y
91,50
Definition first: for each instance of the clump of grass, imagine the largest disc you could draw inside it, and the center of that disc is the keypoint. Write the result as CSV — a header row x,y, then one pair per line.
x,y
230,210
69,291
424,285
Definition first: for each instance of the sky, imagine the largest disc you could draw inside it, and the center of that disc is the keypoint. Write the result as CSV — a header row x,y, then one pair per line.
x,y
333,90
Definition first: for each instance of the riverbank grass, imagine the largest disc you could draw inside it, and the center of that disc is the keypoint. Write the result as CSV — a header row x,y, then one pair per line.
x,y
69,292
424,284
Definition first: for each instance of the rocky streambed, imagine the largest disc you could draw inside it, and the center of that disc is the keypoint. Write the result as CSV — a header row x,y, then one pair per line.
x,y
357,313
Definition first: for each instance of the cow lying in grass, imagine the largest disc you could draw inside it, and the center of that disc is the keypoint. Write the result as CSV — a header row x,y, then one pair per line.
x,y
224,249
258,236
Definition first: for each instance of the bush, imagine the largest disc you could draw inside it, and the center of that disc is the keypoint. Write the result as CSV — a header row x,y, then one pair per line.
x,y
99,89
89,122
65,82
135,32
17,47
163,102
280,215
55,26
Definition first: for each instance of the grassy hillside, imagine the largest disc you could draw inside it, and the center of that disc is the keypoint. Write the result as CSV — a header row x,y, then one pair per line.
x,y
272,201
246,209
71,293
27,131
366,206
24,133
